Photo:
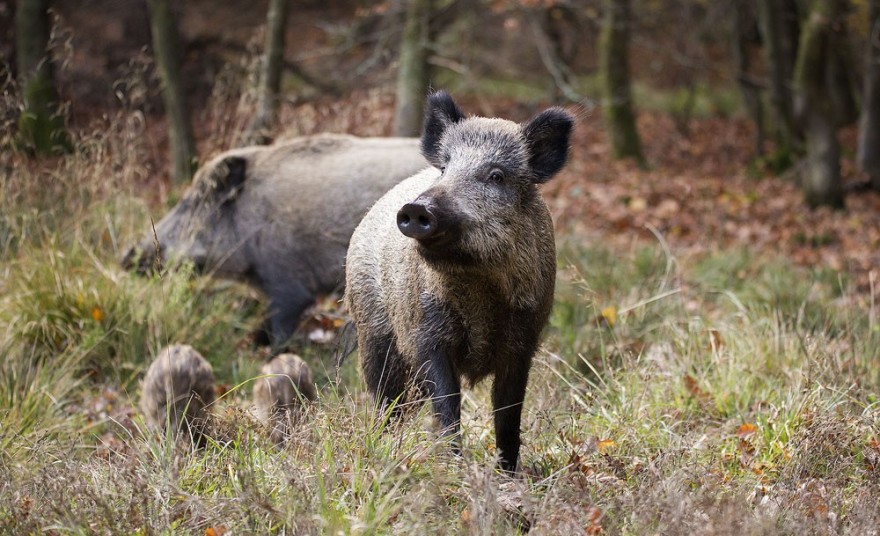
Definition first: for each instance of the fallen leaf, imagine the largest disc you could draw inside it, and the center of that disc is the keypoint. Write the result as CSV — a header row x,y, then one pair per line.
x,y
97,314
746,430
604,445
690,383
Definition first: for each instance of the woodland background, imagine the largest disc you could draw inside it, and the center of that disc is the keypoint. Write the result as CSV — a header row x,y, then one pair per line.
x,y
712,362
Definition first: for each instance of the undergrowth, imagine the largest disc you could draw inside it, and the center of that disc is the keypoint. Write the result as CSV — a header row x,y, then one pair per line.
x,y
721,393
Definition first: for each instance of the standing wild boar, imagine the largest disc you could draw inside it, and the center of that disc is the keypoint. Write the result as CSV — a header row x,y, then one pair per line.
x,y
451,274
177,390
279,217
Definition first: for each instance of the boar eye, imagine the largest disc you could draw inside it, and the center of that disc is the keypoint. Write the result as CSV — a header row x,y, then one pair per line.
x,y
496,175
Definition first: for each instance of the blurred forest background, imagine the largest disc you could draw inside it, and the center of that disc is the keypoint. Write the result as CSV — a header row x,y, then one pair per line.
x,y
696,95
711,363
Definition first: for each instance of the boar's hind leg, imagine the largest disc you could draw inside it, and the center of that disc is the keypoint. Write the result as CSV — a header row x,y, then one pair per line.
x,y
286,306
385,370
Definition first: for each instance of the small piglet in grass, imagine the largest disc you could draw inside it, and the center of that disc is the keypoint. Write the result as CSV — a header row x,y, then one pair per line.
x,y
450,276
283,389
178,390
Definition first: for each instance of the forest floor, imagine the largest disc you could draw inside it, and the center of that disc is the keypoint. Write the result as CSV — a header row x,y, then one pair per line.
x,y
712,364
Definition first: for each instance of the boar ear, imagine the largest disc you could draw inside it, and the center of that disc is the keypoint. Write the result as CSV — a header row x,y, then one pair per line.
x,y
547,138
440,112
229,178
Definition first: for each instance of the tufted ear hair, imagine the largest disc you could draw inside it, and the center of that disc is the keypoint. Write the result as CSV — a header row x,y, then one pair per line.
x,y
228,178
547,136
440,112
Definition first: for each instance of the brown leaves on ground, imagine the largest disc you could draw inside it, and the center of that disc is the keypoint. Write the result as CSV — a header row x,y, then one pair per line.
x,y
699,196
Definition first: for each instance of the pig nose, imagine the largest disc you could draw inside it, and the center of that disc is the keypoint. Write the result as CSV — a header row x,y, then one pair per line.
x,y
140,261
417,220
128,260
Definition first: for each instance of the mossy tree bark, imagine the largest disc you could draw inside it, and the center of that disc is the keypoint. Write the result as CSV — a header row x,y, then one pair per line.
x,y
814,105
780,25
614,69
40,125
413,77
270,73
868,156
167,53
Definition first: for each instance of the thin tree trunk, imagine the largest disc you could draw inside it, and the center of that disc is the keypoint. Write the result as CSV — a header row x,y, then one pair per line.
x,y
868,156
270,73
821,178
614,68
413,76
746,35
548,50
40,126
781,29
167,53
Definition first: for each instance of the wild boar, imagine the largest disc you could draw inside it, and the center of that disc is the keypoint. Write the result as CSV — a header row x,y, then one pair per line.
x,y
279,217
286,383
177,390
450,275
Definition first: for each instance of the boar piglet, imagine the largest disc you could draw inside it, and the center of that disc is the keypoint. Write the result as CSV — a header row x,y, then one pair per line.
x,y
450,275
280,217
178,390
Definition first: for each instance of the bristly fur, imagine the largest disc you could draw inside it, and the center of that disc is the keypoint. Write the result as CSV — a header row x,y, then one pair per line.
x,y
471,300
280,217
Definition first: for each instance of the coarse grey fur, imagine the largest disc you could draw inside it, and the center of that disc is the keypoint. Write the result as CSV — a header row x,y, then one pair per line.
x,y
177,390
279,217
286,383
469,298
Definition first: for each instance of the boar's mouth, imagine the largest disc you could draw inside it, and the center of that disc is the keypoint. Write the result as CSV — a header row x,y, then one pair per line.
x,y
152,262
142,262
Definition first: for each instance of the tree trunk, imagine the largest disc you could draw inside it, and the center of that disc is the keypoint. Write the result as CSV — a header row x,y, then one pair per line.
x,y
814,106
167,53
413,76
781,28
746,37
614,68
868,156
270,73
40,126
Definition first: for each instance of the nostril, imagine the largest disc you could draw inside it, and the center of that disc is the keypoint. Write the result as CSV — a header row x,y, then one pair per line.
x,y
415,220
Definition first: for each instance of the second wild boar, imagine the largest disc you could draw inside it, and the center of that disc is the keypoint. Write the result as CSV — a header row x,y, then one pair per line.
x,y
279,217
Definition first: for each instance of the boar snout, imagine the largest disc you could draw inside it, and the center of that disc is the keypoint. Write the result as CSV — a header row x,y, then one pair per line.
x,y
140,261
418,220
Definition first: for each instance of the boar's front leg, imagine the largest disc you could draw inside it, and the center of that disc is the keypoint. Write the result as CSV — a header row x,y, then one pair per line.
x,y
440,382
512,364
508,394
436,372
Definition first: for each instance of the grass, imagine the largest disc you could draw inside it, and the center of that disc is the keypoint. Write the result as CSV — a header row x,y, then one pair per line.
x,y
726,392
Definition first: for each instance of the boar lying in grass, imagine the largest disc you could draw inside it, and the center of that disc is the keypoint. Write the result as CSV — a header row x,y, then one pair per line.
x,y
450,275
177,390
286,384
280,217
